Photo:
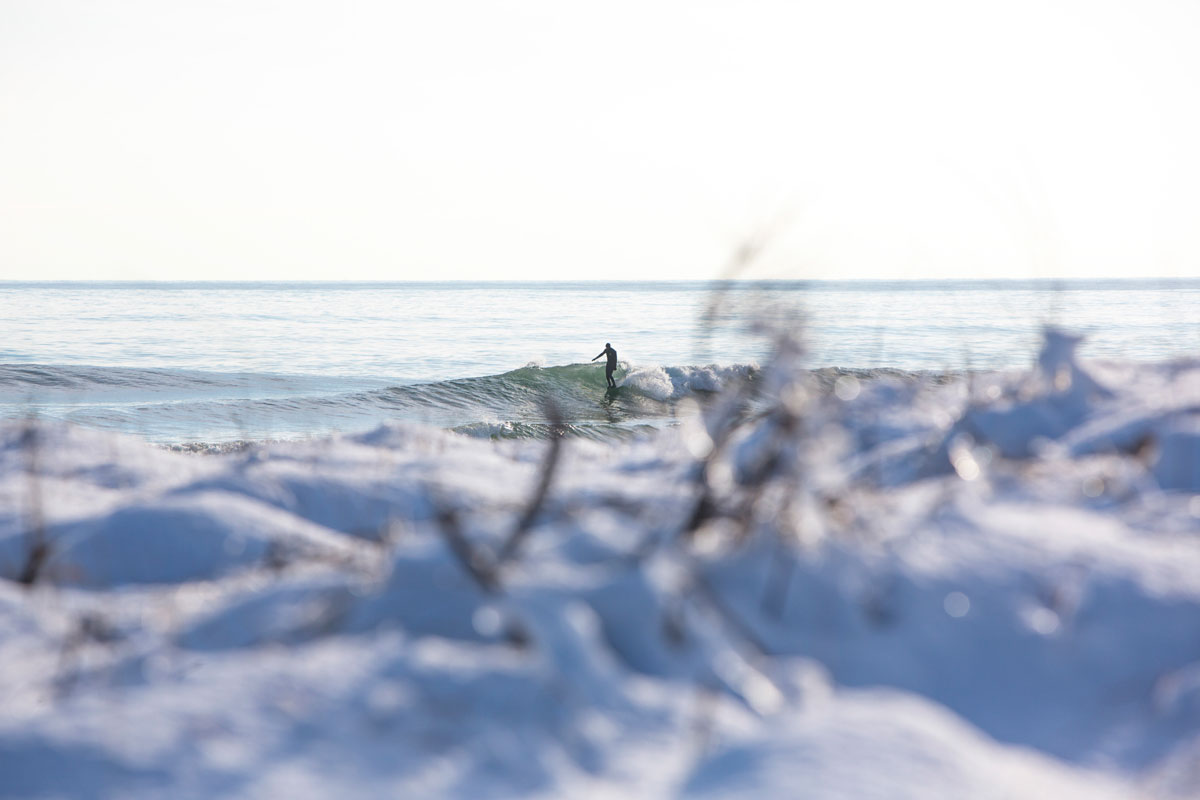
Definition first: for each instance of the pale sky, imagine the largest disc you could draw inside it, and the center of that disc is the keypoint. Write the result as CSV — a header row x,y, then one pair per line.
x,y
546,139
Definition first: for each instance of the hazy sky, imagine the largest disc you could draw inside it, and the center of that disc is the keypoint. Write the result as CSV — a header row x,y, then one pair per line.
x,y
558,140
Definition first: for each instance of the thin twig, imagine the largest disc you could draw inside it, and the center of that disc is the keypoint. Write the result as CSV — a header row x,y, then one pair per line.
x,y
549,464
743,631
39,547
472,559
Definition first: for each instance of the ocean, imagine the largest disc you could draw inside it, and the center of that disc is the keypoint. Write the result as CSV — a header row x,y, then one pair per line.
x,y
223,362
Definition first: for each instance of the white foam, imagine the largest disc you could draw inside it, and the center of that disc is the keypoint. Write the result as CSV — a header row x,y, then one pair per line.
x,y
672,383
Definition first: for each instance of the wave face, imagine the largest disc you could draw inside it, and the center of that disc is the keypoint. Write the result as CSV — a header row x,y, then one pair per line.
x,y
576,391
173,406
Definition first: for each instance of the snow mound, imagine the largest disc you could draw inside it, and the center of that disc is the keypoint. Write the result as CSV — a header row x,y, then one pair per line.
x,y
864,587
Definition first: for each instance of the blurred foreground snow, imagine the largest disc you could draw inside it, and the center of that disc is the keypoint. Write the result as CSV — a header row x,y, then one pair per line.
x,y
984,588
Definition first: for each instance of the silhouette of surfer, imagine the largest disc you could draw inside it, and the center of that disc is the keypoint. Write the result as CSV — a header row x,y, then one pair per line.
x,y
611,367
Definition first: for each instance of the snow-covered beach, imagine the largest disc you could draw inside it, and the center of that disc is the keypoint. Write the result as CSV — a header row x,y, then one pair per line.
x,y
893,588
628,400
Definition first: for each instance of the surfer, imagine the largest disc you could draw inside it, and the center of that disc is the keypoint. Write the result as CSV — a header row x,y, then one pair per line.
x,y
611,367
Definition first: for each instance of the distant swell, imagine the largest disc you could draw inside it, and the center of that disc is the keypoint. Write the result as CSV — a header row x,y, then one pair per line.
x,y
50,382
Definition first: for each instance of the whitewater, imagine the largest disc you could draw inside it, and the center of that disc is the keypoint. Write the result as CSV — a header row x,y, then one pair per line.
x,y
762,575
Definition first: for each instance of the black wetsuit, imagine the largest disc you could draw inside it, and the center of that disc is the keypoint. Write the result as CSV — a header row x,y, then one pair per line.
x,y
611,367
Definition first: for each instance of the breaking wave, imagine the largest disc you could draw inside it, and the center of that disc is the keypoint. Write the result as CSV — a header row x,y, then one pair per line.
x,y
576,391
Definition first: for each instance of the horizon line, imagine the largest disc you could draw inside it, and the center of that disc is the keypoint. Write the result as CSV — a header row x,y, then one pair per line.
x,y
596,281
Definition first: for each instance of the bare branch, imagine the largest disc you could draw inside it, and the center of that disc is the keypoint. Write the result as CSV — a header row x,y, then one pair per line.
x,y
549,464
39,545
474,561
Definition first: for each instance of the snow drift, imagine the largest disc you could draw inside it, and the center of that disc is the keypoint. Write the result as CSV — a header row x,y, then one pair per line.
x,y
882,588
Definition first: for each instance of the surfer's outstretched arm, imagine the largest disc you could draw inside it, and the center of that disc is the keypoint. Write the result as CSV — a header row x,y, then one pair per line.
x,y
602,352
